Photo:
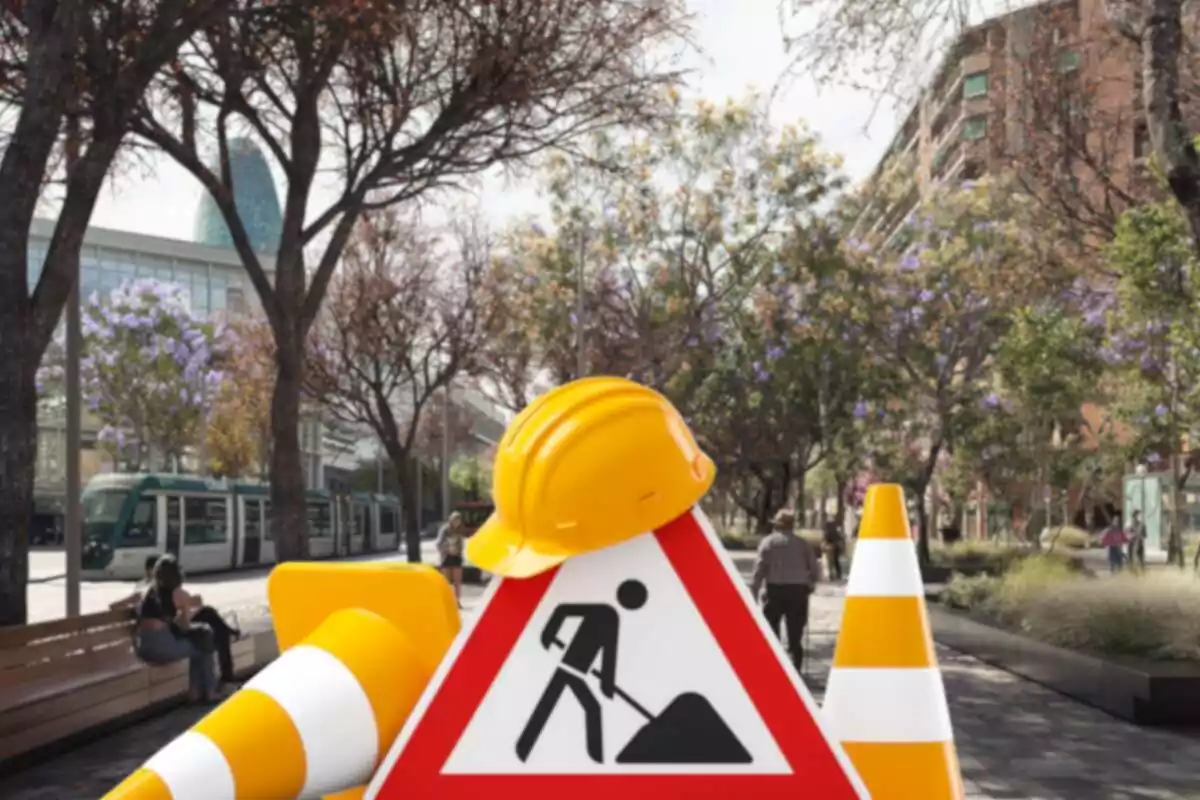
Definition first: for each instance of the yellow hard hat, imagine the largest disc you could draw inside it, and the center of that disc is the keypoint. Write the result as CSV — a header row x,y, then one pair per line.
x,y
585,466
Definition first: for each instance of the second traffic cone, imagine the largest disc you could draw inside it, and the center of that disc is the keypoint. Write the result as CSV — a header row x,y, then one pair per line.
x,y
885,699
314,722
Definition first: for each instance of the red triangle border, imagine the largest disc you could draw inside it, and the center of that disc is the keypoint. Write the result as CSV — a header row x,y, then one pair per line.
x,y
817,770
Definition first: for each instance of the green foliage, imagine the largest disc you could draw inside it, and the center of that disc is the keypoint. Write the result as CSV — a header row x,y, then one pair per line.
x,y
473,477
969,592
1155,330
1154,617
709,274
990,557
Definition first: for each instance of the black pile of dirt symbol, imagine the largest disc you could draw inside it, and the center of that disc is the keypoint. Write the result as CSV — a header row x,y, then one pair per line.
x,y
688,731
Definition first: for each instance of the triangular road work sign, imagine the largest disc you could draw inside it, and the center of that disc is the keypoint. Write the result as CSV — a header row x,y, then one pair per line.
x,y
638,671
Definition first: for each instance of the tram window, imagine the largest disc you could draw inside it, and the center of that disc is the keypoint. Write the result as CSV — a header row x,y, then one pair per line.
x,y
253,524
143,527
205,520
387,521
266,505
320,522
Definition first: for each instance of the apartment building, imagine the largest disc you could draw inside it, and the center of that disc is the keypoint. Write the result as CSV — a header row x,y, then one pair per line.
x,y
1032,90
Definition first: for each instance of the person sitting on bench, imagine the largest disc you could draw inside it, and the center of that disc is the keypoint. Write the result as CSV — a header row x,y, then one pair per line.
x,y
224,634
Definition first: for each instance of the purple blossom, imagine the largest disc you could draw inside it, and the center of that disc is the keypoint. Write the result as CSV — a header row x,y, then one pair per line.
x,y
1160,410
925,296
861,410
910,262
774,353
991,400
760,373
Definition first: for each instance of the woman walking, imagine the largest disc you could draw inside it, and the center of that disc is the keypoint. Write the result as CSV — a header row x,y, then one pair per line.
x,y
450,541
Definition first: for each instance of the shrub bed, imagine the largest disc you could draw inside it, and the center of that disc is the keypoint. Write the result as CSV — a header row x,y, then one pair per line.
x,y
1047,597
972,558
1067,537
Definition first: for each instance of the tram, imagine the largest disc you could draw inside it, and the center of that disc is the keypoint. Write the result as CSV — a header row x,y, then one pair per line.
x,y
217,525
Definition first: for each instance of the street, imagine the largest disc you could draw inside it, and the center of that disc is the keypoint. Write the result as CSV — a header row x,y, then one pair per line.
x,y
1016,740
243,592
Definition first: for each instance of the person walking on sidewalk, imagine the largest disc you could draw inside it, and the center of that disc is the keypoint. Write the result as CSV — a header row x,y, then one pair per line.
x,y
450,542
1114,540
787,568
835,546
1137,542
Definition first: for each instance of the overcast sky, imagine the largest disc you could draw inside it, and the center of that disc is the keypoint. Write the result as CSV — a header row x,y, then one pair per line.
x,y
742,49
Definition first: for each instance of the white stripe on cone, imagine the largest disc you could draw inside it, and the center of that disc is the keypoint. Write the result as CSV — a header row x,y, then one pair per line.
x,y
332,714
887,705
885,568
193,768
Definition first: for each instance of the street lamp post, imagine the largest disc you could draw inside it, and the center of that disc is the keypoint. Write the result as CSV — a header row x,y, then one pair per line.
x,y
581,358
446,452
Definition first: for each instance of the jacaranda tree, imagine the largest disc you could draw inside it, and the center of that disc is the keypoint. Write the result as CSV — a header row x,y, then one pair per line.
x,y
147,373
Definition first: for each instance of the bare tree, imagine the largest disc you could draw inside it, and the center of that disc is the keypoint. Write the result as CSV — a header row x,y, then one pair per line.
x,y
79,66
900,37
404,318
390,101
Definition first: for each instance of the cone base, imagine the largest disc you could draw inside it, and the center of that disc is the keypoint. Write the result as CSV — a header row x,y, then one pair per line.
x,y
141,785
356,793
908,771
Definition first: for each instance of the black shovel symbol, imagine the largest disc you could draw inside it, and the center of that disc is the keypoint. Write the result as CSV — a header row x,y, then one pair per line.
x,y
688,731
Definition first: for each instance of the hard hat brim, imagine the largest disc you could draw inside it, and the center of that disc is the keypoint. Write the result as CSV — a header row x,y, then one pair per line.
x,y
503,551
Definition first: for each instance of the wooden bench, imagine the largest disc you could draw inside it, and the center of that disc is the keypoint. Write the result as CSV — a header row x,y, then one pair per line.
x,y
60,680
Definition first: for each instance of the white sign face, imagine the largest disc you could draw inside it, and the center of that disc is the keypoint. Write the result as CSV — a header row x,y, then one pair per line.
x,y
616,673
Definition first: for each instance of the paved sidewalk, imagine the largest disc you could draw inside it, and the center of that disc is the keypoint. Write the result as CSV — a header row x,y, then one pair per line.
x,y
1016,740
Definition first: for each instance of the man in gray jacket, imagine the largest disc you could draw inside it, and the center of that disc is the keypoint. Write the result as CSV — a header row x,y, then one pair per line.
x,y
787,567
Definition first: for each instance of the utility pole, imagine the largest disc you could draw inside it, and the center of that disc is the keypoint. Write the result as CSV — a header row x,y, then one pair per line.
x,y
1175,535
73,512
378,470
446,452
202,445
581,362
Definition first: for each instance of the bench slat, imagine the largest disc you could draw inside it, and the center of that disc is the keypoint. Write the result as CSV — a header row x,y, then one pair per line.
x,y
62,703
21,635
56,729
64,670
66,646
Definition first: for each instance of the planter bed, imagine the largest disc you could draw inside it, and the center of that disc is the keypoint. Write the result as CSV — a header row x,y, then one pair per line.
x,y
1144,692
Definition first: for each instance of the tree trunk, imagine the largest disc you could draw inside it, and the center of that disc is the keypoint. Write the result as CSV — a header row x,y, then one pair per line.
x,y
289,517
839,514
406,469
762,516
18,454
800,488
1162,50
921,487
922,527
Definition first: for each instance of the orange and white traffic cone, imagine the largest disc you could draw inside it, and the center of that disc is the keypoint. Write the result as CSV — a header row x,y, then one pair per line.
x,y
885,699
315,722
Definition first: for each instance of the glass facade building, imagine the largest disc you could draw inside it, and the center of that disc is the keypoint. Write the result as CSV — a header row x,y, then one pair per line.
x,y
256,199
213,280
